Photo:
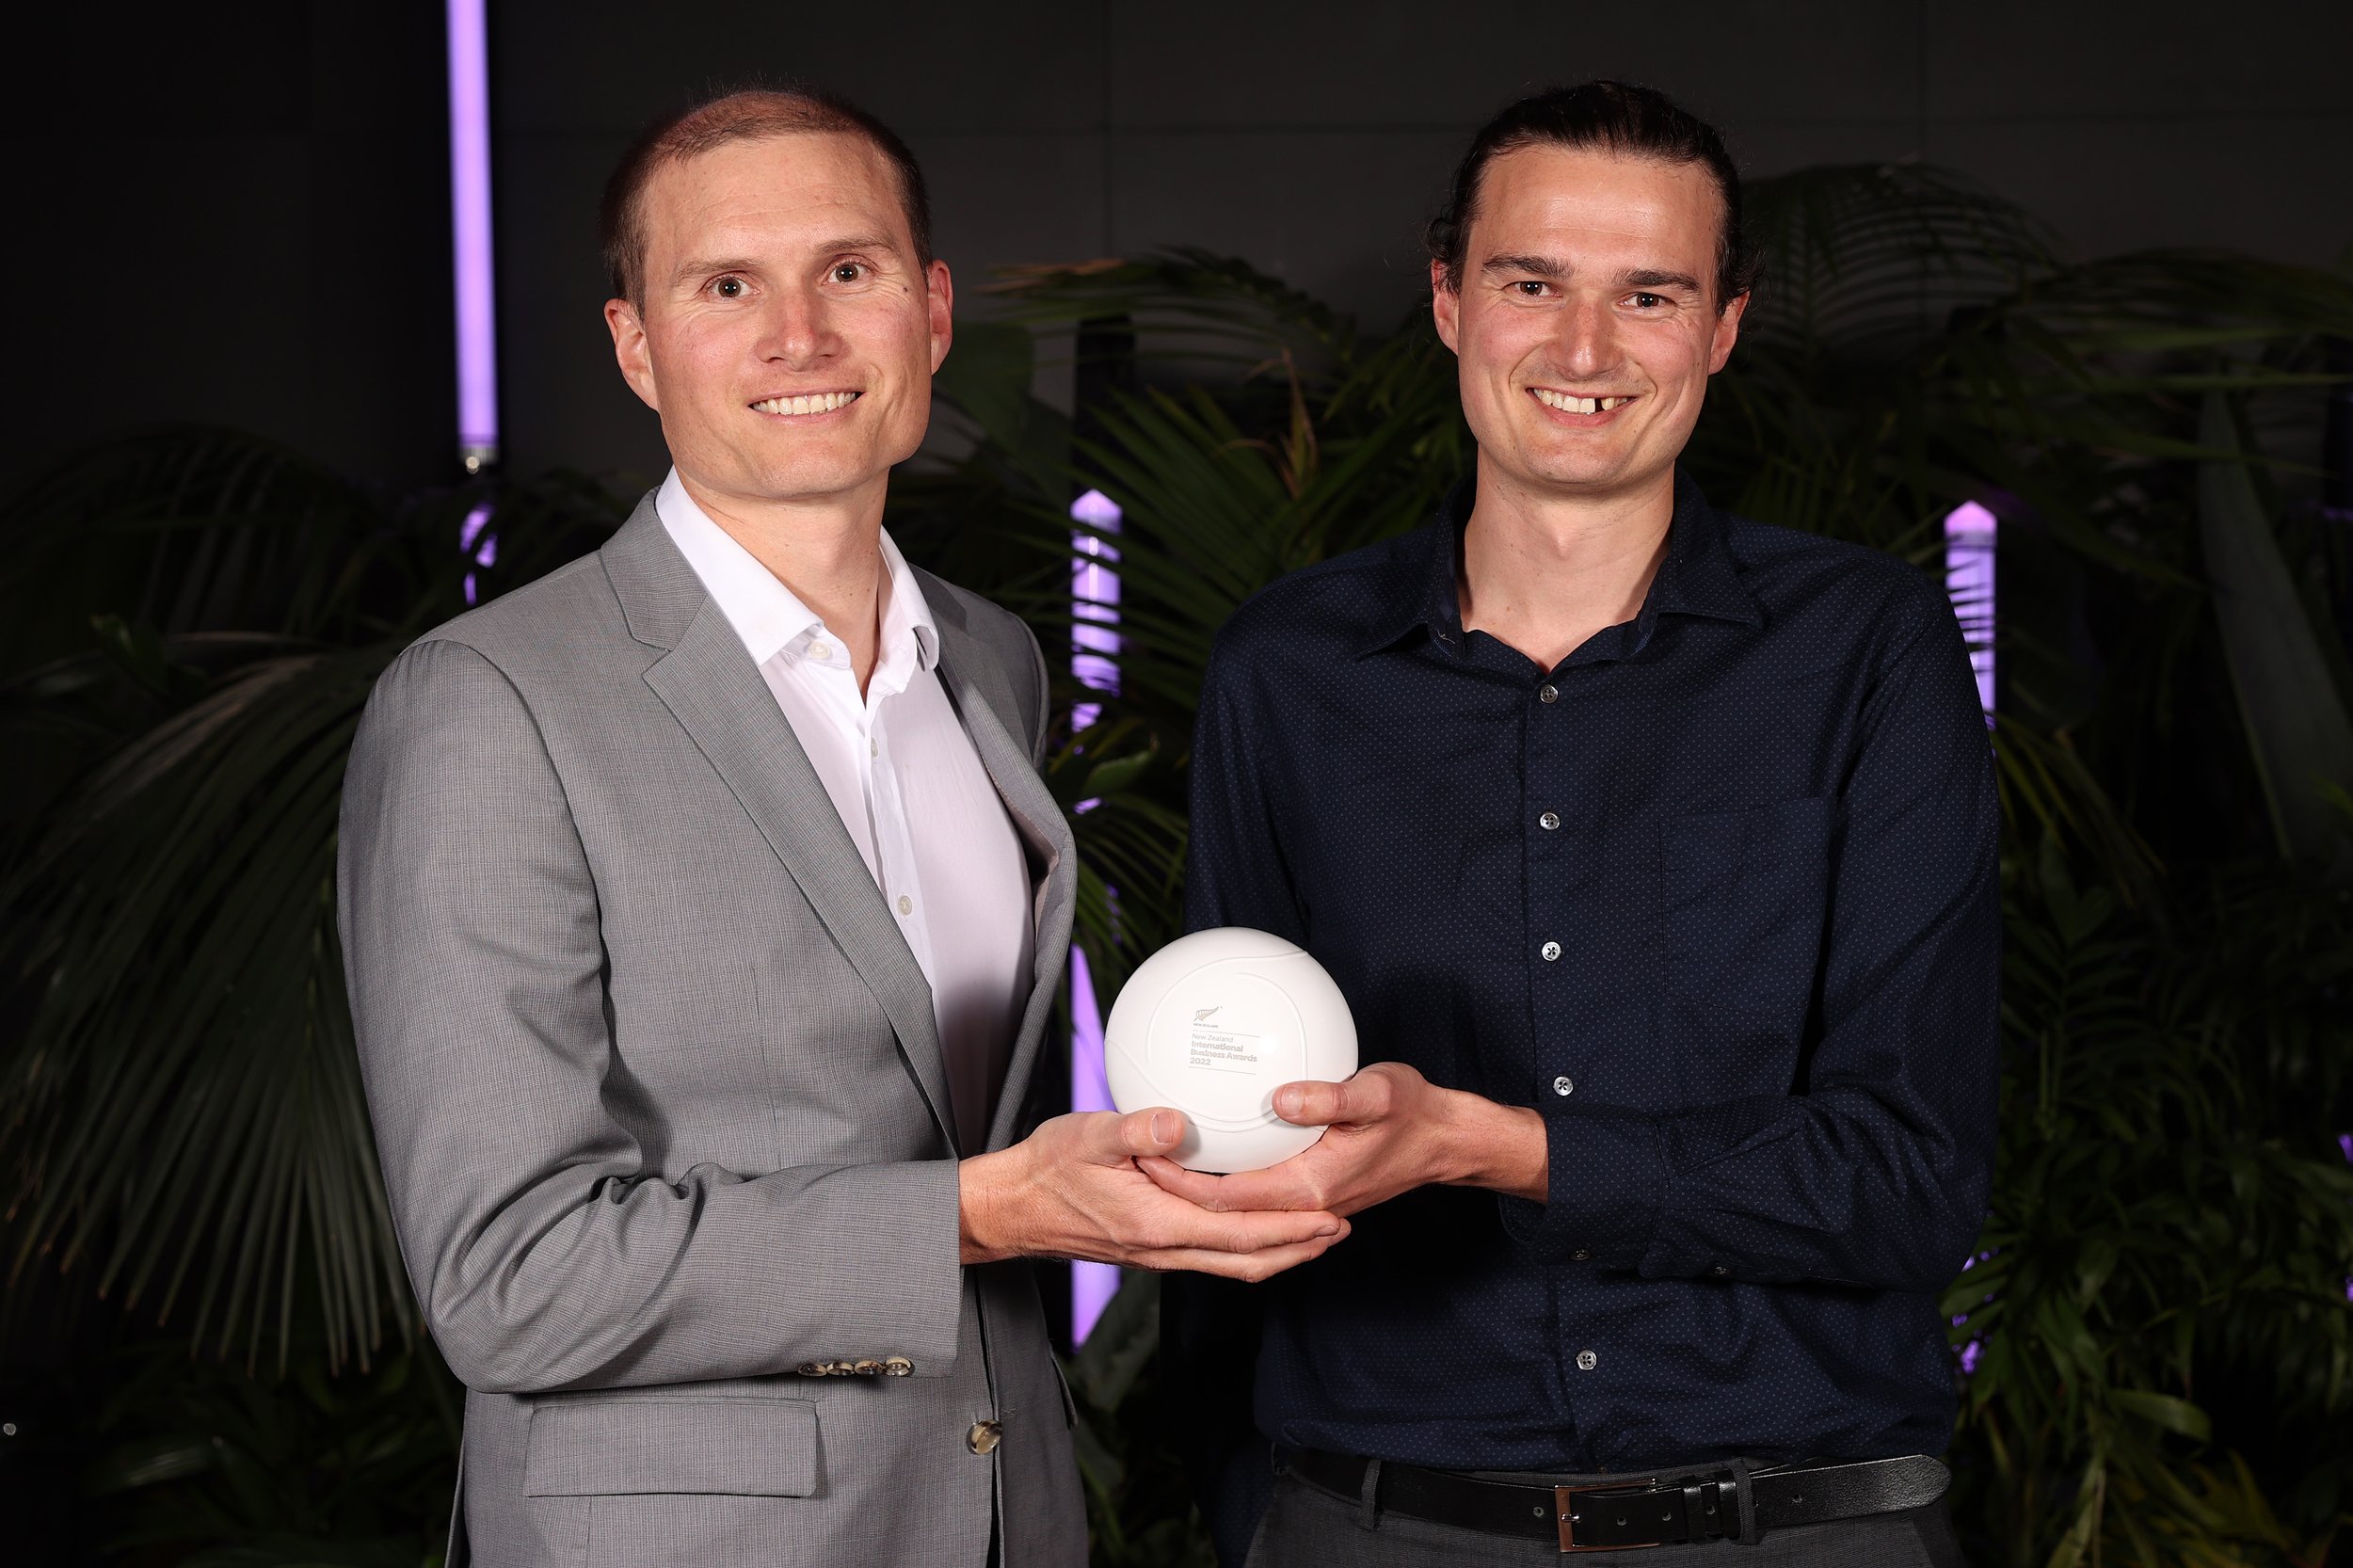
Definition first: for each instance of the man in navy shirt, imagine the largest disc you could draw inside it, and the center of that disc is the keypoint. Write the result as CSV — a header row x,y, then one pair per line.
x,y
1655,850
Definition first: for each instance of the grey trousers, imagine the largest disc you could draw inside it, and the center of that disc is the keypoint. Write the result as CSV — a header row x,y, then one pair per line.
x,y
1305,1527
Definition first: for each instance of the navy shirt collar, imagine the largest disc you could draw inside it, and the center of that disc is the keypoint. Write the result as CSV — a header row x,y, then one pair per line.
x,y
1699,577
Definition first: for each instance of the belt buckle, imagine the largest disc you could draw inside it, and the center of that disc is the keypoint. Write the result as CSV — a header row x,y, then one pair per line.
x,y
1563,1511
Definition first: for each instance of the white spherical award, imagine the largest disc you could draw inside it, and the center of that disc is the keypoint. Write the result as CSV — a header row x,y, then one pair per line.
x,y
1212,1025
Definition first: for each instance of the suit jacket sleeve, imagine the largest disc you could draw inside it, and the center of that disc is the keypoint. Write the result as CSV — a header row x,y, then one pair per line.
x,y
549,1248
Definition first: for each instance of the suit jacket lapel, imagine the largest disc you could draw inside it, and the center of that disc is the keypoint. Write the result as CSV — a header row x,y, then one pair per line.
x,y
977,684
719,697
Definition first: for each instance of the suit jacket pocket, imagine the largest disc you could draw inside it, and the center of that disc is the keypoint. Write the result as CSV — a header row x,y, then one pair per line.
x,y
752,1447
1745,896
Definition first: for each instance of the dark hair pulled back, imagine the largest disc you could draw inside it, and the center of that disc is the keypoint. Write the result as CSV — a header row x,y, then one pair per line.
x,y
1614,117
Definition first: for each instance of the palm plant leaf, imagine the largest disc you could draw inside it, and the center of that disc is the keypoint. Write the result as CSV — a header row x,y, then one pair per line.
x,y
188,1095
2297,729
1193,304
1865,259
2138,1234
183,529
181,1117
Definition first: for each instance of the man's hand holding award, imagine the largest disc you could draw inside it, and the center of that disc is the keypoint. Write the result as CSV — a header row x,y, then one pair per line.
x,y
1247,1035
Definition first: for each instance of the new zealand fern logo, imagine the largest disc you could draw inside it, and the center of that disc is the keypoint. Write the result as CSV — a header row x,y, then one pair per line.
x,y
1203,1015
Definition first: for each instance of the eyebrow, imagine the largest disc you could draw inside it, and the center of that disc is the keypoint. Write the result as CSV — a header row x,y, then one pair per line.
x,y
1660,281
703,268
1543,266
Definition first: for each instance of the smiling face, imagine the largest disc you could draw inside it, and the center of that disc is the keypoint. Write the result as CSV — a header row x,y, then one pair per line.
x,y
787,334
1585,322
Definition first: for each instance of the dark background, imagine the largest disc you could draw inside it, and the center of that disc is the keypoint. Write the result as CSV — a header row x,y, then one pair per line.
x,y
239,215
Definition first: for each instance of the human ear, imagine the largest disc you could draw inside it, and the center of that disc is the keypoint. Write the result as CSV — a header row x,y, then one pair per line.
x,y
1727,332
1445,307
940,292
631,350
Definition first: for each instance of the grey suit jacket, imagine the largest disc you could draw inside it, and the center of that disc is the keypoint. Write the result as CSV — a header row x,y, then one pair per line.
x,y
659,1097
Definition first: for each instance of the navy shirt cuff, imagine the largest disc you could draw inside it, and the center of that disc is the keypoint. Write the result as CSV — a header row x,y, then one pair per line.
x,y
1602,1192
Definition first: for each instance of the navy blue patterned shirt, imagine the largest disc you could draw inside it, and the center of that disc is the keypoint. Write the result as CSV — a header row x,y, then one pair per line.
x,y
1718,897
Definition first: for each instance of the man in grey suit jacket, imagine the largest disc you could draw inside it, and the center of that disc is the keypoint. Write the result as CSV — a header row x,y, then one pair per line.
x,y
702,1139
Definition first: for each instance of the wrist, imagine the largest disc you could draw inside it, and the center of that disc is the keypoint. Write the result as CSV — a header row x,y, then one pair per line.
x,y
1501,1147
984,1202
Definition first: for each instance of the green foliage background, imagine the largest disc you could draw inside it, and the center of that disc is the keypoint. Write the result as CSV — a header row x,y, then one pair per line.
x,y
2157,1314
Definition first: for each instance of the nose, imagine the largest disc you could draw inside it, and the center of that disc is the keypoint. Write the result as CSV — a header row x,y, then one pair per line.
x,y
1588,342
796,330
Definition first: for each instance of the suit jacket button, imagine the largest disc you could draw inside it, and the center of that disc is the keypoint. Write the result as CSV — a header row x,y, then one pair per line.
x,y
898,1366
868,1369
811,1368
985,1436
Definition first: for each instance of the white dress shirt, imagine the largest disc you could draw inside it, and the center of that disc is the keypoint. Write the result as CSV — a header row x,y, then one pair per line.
x,y
908,786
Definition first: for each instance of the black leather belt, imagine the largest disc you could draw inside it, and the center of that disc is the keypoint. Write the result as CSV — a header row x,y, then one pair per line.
x,y
1660,1509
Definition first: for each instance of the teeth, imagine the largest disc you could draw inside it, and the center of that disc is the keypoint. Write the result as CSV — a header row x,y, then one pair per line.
x,y
815,403
1568,404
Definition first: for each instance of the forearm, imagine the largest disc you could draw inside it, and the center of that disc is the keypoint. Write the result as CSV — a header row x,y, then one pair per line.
x,y
581,1282
1829,1188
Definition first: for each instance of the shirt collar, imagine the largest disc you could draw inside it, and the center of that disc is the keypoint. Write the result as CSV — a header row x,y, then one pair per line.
x,y
1699,577
770,618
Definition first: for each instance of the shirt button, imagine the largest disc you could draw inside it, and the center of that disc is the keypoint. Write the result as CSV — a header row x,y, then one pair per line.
x,y
985,1436
1586,1362
874,747
1719,1271
818,651
1549,821
906,904
1551,951
1579,1256
1547,693
1564,1085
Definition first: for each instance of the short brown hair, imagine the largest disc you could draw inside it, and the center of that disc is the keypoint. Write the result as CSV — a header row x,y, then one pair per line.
x,y
1613,116
739,114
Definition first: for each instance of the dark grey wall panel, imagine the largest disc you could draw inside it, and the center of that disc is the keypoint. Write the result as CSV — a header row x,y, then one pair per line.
x,y
2278,188
1314,139
1339,212
238,218
1234,63
243,217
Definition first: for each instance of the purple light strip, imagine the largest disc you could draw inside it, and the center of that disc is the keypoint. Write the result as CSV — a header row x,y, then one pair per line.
x,y
1095,649
470,248
1088,1092
486,554
469,234
1094,603
1970,538
1973,1349
2345,1146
